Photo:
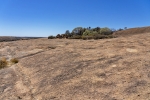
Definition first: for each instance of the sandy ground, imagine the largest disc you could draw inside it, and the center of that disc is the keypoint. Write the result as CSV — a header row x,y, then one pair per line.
x,y
62,69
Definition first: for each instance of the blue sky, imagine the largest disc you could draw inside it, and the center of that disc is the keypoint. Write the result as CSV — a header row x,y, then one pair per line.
x,y
51,17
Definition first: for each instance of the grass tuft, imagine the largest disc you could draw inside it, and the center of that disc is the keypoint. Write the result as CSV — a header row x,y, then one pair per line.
x,y
14,60
3,63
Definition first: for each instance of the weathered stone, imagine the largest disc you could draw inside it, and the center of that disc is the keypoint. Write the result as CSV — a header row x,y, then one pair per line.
x,y
81,70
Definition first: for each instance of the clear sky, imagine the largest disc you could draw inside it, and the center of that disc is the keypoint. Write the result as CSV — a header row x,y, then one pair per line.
x,y
51,17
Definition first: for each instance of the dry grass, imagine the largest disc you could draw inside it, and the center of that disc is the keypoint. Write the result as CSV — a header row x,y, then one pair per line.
x,y
3,63
132,31
14,60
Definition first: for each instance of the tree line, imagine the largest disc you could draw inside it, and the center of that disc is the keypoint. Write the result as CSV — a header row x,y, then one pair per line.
x,y
87,33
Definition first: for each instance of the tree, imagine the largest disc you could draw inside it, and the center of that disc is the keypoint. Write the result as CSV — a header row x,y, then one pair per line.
x,y
89,28
86,33
113,30
67,32
77,31
58,36
125,28
97,29
120,29
105,31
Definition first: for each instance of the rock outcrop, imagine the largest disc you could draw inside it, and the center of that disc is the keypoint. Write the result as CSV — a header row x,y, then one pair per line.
x,y
62,69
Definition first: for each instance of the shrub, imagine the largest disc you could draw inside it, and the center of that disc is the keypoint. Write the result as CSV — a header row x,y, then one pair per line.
x,y
3,63
105,31
87,32
99,36
75,37
84,37
14,60
51,37
103,36
94,34
87,37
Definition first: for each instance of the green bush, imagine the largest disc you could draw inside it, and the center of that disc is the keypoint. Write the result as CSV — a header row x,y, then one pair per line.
x,y
87,33
94,33
105,31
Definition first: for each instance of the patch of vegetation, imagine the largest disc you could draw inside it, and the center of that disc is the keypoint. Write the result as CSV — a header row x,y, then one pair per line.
x,y
3,63
51,37
75,37
14,60
87,37
87,33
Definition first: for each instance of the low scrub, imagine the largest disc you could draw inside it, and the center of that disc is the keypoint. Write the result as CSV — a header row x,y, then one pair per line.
x,y
87,37
75,37
98,36
3,63
14,60
103,36
51,37
105,31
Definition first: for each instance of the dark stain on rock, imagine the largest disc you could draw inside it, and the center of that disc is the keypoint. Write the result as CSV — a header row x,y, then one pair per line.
x,y
114,59
133,88
101,75
68,74
103,84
